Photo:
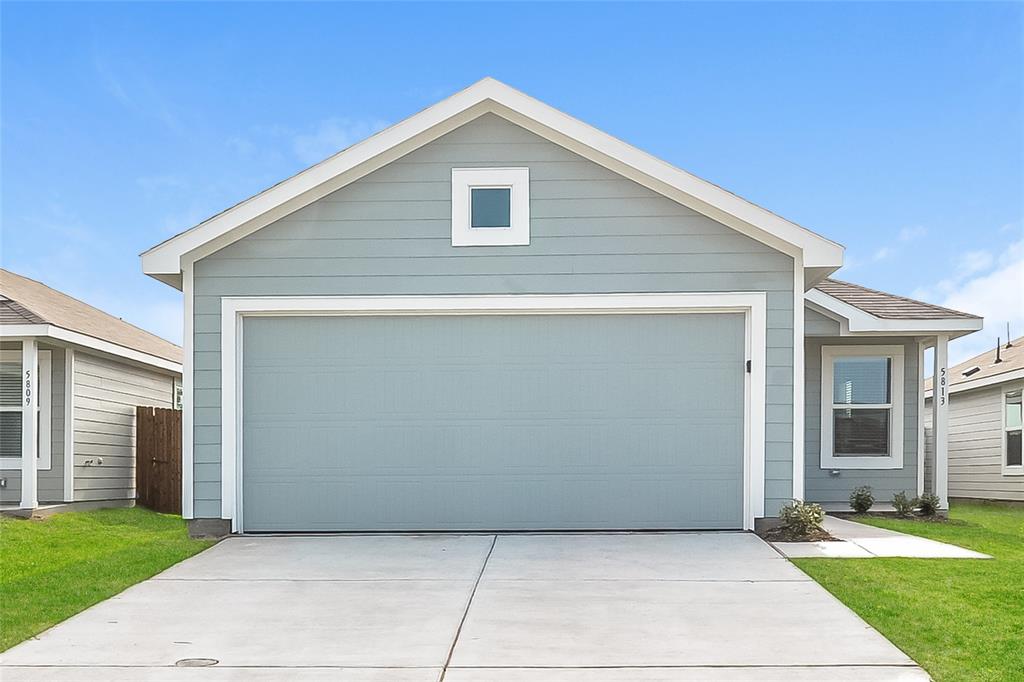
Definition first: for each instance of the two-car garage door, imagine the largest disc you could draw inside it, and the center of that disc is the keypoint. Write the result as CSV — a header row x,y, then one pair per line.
x,y
461,422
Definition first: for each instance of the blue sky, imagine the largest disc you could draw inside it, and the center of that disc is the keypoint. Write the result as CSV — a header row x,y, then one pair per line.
x,y
895,129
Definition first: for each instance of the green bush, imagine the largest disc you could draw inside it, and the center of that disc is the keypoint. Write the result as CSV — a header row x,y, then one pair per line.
x,y
802,518
861,499
928,504
903,505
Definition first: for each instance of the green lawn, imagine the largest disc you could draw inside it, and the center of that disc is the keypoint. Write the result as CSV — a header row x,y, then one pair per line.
x,y
50,569
961,619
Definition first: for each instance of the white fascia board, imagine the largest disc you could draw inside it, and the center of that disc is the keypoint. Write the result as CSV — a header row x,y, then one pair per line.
x,y
164,261
1003,378
84,340
856,322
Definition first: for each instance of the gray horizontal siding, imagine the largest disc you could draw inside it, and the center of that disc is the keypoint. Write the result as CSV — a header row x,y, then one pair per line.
x,y
976,446
820,485
106,395
816,324
592,231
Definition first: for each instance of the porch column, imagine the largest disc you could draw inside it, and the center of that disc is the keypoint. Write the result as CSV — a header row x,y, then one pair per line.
x,y
29,406
940,420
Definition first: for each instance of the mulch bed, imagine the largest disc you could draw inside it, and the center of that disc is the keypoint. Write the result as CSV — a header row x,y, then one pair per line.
x,y
781,534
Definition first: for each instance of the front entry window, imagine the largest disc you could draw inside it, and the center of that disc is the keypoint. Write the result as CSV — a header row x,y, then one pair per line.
x,y
862,394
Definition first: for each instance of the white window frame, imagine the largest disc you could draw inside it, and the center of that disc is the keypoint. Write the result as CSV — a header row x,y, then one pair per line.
x,y
894,458
44,409
515,179
1017,470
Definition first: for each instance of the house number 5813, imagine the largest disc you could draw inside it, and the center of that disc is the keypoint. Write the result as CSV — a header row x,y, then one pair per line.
x,y
28,387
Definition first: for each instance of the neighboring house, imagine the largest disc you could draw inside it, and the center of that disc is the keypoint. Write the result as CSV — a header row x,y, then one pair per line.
x,y
70,378
985,425
493,316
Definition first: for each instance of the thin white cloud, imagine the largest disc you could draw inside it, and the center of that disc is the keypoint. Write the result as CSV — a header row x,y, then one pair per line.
x,y
988,286
909,234
331,136
271,143
887,251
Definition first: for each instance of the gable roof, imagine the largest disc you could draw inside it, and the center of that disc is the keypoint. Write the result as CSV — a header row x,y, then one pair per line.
x,y
165,261
869,312
28,307
886,306
989,372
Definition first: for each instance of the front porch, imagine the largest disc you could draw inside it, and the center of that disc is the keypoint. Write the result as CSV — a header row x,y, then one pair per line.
x,y
865,371
36,380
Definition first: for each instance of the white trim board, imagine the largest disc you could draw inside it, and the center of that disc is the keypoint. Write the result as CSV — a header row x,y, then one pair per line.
x,y
234,309
897,378
69,424
165,261
84,340
856,322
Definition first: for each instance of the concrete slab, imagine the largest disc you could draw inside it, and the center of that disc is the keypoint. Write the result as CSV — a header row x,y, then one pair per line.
x,y
881,542
570,607
623,623
692,674
638,556
350,557
259,623
822,550
216,674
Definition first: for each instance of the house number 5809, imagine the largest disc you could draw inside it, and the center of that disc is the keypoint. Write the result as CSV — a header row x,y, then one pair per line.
x,y
28,387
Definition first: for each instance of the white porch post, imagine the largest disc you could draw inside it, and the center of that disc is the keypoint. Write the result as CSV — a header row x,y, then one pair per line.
x,y
29,405
940,419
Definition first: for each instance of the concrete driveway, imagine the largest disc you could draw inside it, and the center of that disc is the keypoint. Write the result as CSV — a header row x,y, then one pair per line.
x,y
523,608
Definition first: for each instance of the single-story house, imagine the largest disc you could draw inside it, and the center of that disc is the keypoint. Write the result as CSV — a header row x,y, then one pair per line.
x,y
494,316
985,425
70,378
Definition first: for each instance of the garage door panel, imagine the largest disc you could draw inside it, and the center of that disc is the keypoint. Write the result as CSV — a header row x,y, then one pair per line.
x,y
488,422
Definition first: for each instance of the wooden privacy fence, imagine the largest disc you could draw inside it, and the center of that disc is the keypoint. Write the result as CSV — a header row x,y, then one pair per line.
x,y
158,459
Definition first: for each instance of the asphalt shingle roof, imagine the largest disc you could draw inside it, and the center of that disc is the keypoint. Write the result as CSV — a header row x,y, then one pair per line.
x,y
887,306
26,301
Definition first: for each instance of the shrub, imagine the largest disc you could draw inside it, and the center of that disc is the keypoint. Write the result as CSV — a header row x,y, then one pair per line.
x,y
903,505
802,518
928,504
861,499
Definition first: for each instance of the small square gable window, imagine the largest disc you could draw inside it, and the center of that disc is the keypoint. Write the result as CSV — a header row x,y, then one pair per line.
x,y
490,206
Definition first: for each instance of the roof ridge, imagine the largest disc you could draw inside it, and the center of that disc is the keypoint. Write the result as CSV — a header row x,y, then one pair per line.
x,y
902,298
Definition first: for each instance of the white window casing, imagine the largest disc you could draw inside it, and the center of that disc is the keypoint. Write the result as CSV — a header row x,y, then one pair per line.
x,y
893,458
464,180
1007,428
43,409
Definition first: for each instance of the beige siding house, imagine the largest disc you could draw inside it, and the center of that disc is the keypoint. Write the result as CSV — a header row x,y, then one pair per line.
x,y
985,425
70,379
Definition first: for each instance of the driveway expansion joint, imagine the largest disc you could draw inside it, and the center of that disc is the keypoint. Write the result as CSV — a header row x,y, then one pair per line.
x,y
469,603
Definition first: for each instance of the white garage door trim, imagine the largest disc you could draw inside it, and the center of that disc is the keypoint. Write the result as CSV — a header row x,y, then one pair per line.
x,y
751,304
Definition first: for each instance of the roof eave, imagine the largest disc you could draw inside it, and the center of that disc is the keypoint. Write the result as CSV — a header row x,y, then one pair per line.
x,y
857,322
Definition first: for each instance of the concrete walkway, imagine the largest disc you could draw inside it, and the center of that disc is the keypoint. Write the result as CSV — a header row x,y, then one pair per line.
x,y
521,608
861,541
